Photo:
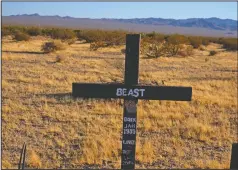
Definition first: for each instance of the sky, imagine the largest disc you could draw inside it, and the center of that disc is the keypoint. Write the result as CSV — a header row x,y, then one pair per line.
x,y
175,10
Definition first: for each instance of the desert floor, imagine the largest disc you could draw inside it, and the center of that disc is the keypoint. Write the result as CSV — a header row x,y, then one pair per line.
x,y
59,131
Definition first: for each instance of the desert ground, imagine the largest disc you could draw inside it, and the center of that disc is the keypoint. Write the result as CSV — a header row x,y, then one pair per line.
x,y
62,132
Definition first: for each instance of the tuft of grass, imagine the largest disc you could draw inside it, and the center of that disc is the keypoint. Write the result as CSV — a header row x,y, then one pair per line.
x,y
145,152
60,58
6,164
34,160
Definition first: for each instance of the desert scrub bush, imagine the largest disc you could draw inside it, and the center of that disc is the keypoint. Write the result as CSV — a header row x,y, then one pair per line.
x,y
201,48
77,32
115,38
186,51
34,31
229,43
177,39
14,29
155,50
189,50
212,53
52,46
70,41
5,32
173,49
149,39
109,38
205,41
153,37
174,44
91,35
63,34
96,45
46,31
195,41
20,36
213,39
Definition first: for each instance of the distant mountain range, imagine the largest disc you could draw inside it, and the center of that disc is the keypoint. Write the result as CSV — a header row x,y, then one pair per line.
x,y
192,26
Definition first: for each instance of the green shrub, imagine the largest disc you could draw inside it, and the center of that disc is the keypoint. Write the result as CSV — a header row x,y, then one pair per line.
x,y
53,46
34,31
20,36
205,41
212,53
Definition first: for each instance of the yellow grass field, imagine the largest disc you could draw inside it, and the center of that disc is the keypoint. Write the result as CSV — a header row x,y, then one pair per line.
x,y
62,132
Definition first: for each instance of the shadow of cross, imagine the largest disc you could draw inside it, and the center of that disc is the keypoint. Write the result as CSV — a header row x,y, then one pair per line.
x,y
131,91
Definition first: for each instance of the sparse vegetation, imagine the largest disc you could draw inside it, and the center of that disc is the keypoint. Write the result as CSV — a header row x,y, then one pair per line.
x,y
34,31
195,41
62,34
5,32
96,45
155,50
86,133
229,44
52,46
100,38
212,53
70,41
20,36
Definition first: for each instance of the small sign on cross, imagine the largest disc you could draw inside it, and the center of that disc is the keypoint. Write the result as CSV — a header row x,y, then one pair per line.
x,y
131,91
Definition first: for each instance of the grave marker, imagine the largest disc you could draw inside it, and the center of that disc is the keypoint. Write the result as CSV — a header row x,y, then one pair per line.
x,y
131,91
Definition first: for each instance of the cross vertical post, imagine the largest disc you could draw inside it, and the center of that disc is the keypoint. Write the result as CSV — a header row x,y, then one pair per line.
x,y
130,105
234,157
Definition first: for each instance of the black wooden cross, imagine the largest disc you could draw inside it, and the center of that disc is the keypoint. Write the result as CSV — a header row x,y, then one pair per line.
x,y
131,91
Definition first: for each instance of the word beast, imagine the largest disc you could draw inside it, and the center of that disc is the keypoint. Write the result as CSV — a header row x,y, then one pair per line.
x,y
130,92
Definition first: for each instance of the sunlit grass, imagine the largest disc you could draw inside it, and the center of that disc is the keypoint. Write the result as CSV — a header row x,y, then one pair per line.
x,y
37,109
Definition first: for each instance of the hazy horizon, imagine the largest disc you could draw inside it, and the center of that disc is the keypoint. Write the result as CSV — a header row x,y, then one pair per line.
x,y
124,10
117,18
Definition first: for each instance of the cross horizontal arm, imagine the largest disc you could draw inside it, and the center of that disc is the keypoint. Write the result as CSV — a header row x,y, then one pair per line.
x,y
87,90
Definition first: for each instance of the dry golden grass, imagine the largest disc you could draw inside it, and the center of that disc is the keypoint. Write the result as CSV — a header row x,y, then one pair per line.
x,y
63,132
